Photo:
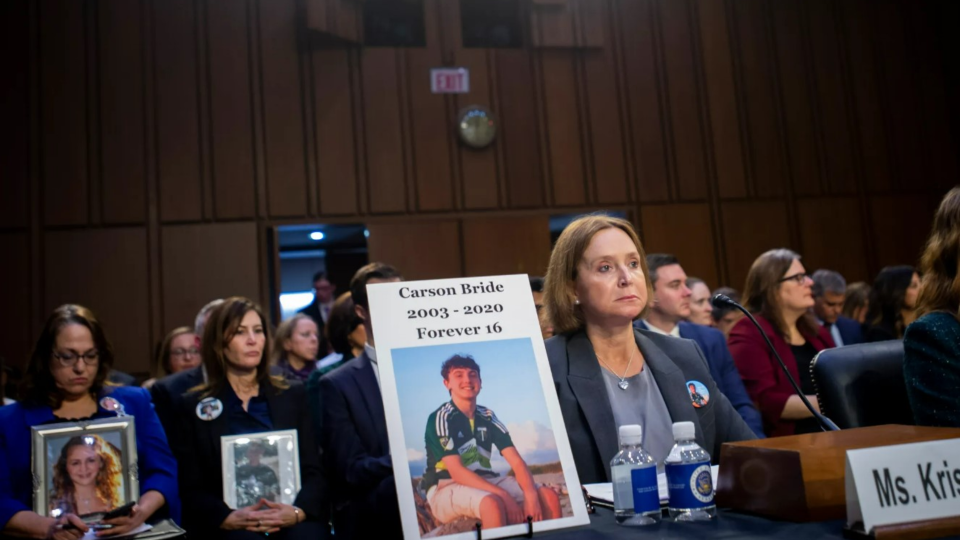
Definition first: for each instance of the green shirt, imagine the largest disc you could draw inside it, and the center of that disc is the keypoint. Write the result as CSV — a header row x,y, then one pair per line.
x,y
451,433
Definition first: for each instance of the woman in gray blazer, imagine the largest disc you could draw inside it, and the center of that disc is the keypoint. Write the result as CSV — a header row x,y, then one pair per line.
x,y
607,373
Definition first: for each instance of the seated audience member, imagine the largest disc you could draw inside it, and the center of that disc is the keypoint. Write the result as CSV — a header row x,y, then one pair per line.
x,y
177,353
669,306
356,451
701,310
295,348
612,374
725,317
892,302
246,399
829,289
347,337
536,287
857,302
778,293
119,378
319,310
166,389
931,344
65,382
459,480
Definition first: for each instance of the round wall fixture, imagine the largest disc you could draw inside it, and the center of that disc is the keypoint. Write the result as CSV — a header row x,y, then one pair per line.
x,y
476,126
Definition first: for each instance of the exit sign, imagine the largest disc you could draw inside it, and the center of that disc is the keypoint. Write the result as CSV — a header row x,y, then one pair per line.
x,y
450,80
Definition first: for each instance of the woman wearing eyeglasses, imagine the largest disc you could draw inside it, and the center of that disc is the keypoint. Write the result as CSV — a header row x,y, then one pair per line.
x,y
778,293
65,382
178,352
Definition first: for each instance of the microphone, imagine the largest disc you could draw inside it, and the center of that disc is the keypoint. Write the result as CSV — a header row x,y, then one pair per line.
x,y
722,300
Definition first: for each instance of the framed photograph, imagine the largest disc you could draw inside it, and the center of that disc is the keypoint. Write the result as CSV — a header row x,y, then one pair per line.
x,y
260,466
466,385
84,468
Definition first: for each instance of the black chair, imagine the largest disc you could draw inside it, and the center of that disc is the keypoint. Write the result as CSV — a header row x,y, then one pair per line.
x,y
862,385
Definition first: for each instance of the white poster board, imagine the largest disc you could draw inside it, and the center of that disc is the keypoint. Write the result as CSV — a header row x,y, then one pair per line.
x,y
418,327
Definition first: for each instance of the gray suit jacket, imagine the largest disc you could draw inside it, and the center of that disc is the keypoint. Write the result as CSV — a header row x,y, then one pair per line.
x,y
586,409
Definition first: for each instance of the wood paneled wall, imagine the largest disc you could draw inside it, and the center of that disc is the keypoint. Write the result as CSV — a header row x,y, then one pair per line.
x,y
146,146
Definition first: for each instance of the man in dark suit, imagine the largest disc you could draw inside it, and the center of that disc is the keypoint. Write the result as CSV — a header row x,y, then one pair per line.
x,y
829,292
671,304
356,450
319,309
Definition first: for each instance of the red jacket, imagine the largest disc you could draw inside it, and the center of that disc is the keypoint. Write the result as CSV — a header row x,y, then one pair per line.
x,y
761,373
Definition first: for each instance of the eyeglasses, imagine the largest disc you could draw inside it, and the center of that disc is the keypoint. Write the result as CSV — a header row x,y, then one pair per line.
x,y
799,278
69,359
185,352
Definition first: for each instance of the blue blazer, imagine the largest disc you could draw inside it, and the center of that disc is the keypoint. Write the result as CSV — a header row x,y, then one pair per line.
x,y
356,451
156,466
850,331
724,372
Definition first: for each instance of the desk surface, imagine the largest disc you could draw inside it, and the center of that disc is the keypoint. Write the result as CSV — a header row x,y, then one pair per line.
x,y
728,524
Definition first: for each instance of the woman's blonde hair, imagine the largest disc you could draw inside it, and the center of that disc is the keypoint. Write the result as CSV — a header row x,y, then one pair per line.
x,y
558,296
108,478
162,363
940,263
285,332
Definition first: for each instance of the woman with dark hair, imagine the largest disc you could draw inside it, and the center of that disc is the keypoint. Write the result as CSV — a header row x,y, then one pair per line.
x,y
295,347
66,382
241,397
609,374
892,302
178,352
778,292
857,302
86,476
931,345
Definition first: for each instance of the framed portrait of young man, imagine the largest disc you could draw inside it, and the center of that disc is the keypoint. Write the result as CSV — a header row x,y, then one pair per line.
x,y
476,432
85,468
260,466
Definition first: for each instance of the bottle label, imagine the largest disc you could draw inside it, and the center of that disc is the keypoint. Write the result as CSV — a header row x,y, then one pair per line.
x,y
646,497
690,485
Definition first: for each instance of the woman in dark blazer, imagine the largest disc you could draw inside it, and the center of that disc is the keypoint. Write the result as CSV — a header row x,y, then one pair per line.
x,y
931,345
893,299
608,374
66,381
241,397
779,293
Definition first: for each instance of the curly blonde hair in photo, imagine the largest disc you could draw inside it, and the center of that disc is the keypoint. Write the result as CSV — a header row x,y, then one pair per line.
x,y
108,478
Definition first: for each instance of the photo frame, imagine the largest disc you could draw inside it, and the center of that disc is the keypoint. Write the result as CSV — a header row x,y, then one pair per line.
x,y
260,465
86,468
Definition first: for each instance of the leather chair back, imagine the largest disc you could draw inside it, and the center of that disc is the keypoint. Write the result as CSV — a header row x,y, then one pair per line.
x,y
862,385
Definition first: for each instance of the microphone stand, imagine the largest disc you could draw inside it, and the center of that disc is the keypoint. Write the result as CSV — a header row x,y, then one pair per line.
x,y
825,423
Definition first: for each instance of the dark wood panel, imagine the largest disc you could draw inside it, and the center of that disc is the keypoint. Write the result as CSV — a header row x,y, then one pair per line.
x,y
803,157
871,131
234,191
750,229
637,30
14,101
122,113
563,128
340,19
382,130
590,19
606,133
684,100
684,230
900,225
478,168
336,137
230,253
283,116
115,288
177,110
419,249
63,113
721,98
486,254
15,297
518,135
831,97
552,24
831,236
759,98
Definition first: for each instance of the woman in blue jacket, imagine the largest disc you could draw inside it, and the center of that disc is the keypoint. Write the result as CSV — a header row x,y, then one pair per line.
x,y
65,382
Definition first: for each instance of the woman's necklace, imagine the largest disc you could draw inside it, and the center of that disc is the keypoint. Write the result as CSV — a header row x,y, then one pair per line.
x,y
623,384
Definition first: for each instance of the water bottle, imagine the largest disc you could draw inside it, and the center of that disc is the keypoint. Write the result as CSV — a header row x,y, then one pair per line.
x,y
635,498
689,479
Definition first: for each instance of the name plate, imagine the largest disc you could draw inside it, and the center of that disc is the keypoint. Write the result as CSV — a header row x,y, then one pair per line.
x,y
903,483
